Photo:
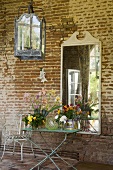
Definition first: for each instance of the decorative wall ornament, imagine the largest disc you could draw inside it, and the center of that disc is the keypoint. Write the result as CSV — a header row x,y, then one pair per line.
x,y
42,75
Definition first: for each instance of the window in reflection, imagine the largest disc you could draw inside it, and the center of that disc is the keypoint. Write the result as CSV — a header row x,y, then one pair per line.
x,y
74,85
94,73
93,89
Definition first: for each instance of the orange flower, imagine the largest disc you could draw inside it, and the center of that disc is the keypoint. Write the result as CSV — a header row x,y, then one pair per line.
x,y
65,107
71,108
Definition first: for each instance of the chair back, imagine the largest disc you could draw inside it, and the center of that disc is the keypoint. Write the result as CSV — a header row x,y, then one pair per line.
x,y
2,121
14,127
21,125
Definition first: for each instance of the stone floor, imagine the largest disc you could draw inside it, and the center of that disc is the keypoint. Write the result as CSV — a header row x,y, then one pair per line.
x,y
12,162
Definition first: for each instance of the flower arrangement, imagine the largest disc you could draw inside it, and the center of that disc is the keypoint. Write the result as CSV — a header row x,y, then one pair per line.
x,y
67,112
34,120
42,104
80,110
84,109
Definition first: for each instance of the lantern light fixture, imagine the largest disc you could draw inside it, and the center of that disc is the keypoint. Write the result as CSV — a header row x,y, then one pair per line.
x,y
30,35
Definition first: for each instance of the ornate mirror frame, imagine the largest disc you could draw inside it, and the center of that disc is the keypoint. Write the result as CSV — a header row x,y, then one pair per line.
x,y
73,41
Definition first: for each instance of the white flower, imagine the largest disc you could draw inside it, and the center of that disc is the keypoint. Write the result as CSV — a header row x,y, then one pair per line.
x,y
79,110
56,117
63,119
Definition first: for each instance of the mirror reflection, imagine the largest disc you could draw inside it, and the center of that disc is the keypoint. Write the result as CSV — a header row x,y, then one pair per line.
x,y
80,73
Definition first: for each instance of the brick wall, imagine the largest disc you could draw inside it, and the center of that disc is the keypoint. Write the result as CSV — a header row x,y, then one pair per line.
x,y
63,17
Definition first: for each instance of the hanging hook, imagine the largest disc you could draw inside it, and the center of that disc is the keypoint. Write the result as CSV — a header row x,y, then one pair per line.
x,y
30,7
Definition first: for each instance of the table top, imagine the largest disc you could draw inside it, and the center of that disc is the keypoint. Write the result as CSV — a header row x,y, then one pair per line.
x,y
54,131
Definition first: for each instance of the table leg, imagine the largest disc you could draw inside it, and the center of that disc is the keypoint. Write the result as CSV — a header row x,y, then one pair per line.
x,y
47,156
53,152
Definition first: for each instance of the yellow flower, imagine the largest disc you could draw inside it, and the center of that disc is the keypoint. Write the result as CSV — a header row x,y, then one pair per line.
x,y
58,111
52,92
79,112
30,118
57,99
71,108
88,113
65,107
34,118
43,121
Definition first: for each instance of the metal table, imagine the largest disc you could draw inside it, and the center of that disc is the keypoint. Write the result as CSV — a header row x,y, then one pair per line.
x,y
53,151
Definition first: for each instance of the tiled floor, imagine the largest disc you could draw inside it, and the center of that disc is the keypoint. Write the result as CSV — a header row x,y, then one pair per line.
x,y
12,162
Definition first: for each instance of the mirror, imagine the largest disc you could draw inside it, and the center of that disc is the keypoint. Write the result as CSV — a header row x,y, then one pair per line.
x,y
29,37
81,72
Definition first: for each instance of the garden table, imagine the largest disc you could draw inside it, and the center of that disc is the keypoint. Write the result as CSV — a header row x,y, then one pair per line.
x,y
41,131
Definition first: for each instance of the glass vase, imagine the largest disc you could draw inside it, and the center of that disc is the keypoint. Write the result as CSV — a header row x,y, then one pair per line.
x,y
62,126
34,127
51,123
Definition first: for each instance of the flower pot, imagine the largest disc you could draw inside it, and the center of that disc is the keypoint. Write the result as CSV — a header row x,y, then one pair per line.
x,y
70,124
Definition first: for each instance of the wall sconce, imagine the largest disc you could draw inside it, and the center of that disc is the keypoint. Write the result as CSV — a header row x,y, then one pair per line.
x,y
30,35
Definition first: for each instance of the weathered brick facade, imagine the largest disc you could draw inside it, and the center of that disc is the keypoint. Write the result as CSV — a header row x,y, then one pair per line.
x,y
63,18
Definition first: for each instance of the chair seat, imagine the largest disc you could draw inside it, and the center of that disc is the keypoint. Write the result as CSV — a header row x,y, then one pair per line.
x,y
20,137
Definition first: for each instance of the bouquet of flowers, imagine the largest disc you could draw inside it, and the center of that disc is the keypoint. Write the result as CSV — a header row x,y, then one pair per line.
x,y
42,104
67,112
34,120
80,110
84,109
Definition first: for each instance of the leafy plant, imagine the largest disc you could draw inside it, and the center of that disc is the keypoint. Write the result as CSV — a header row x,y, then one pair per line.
x,y
42,104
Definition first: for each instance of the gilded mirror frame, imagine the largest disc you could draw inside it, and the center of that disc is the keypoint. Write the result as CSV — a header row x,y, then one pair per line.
x,y
87,40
